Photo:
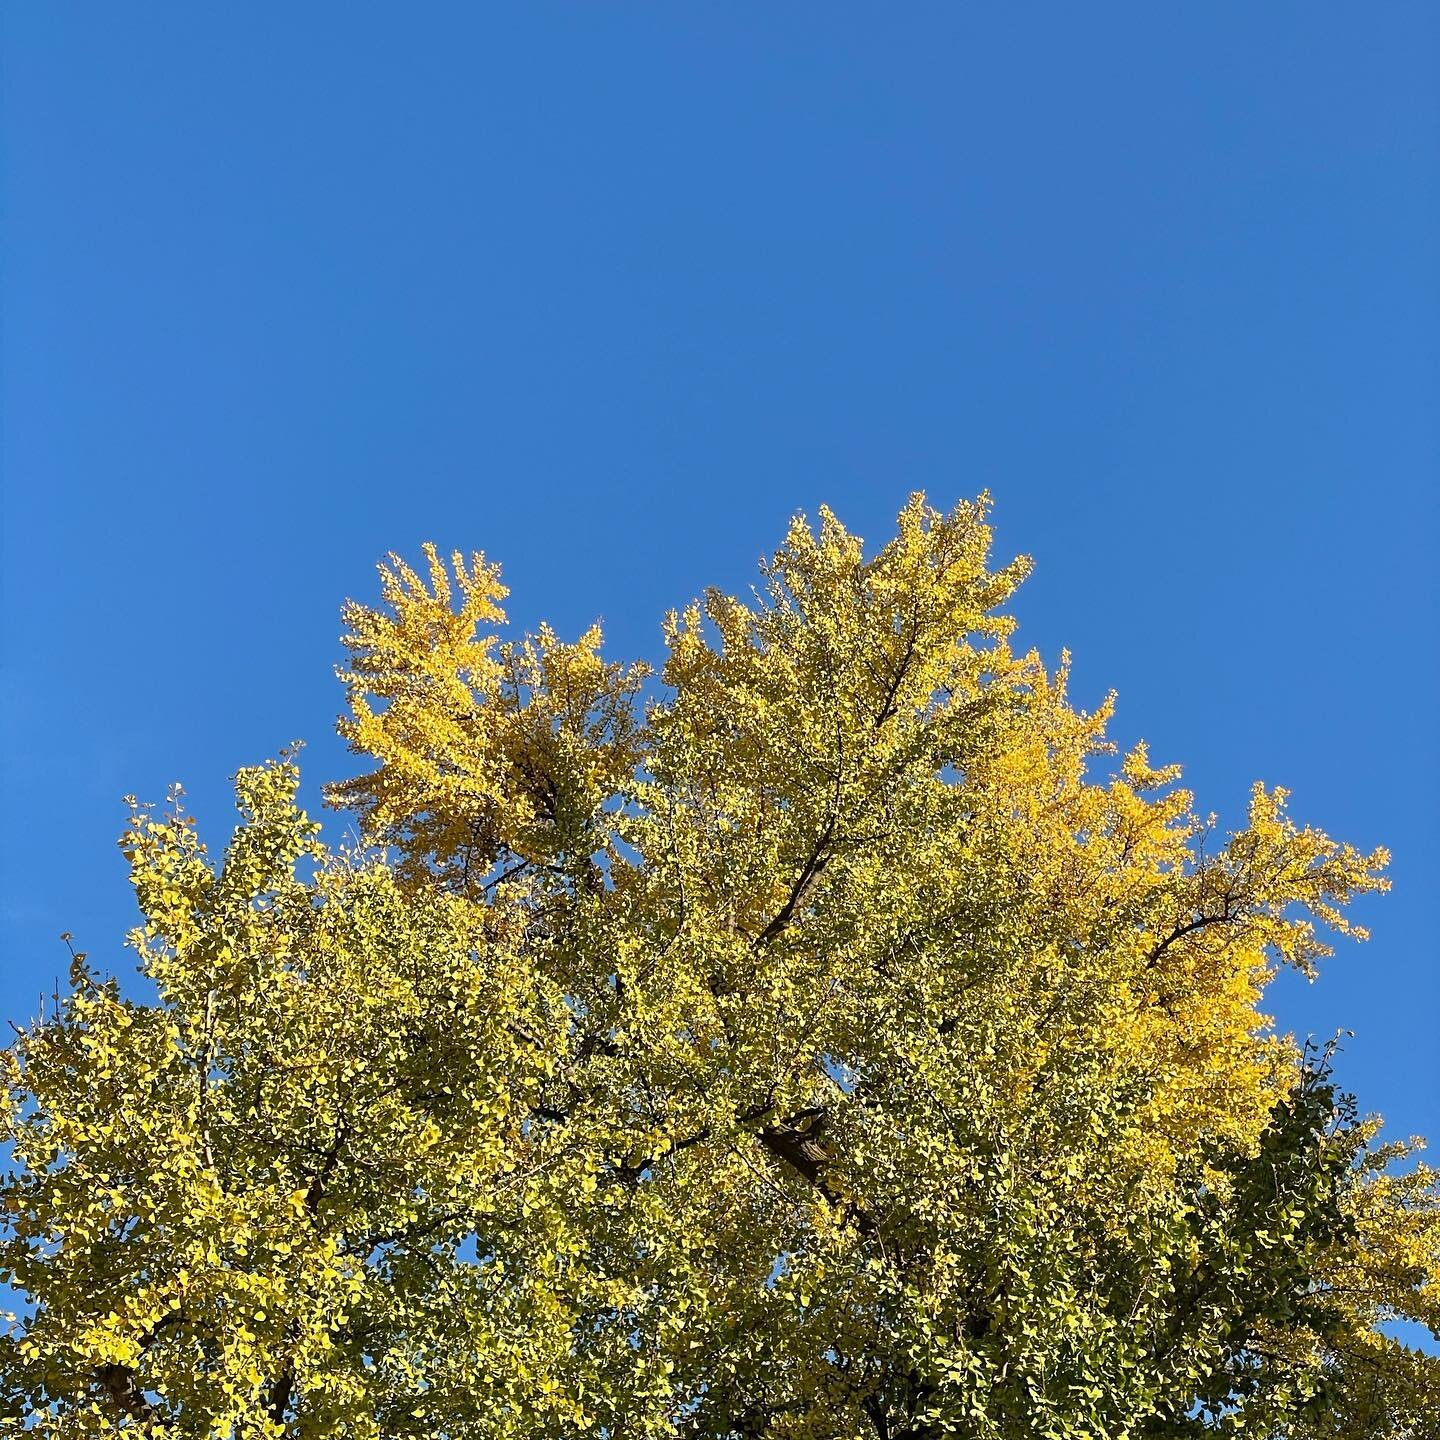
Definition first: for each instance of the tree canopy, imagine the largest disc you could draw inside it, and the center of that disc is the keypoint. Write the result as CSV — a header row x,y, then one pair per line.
x,y
828,1036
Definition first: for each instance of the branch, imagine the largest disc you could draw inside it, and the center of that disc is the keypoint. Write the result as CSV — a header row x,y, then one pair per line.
x,y
280,1393
122,1385
796,1140
804,883
1227,916
887,709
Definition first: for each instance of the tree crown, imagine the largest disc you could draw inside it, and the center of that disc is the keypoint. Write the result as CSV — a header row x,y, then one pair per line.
x,y
813,1047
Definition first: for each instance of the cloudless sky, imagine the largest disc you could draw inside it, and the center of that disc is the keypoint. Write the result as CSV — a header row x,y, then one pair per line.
x,y
610,290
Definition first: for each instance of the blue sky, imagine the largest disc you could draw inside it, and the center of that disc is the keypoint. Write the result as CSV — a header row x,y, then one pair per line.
x,y
612,290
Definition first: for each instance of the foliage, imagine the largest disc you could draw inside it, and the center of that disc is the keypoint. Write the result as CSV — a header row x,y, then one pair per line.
x,y
818,1050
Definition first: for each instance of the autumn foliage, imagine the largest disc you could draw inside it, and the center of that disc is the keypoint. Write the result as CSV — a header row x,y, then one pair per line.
x,y
829,1036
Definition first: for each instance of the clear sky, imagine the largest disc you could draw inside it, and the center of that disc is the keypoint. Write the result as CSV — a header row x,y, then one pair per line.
x,y
610,290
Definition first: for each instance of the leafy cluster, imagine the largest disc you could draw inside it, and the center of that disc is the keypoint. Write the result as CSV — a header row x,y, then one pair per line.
x,y
817,1050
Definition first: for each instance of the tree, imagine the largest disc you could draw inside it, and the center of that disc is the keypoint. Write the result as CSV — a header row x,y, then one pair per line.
x,y
806,1046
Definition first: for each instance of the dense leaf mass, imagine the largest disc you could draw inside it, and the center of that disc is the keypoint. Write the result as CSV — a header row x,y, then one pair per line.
x,y
803,1043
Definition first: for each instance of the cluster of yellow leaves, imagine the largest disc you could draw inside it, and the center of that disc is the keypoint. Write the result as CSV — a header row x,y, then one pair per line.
x,y
483,749
261,1188
811,1045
